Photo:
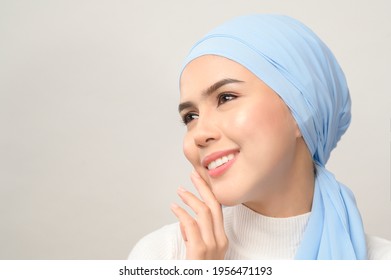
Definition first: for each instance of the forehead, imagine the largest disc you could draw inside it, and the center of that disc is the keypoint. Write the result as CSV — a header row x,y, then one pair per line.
x,y
205,70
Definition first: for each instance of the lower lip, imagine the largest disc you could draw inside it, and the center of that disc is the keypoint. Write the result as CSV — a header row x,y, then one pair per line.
x,y
221,169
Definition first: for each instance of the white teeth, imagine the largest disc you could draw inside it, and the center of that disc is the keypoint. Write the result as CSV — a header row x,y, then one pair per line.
x,y
220,161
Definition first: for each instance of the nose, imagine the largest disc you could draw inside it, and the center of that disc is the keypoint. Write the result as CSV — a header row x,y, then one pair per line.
x,y
205,132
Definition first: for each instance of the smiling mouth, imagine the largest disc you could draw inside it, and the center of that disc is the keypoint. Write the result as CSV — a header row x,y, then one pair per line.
x,y
220,161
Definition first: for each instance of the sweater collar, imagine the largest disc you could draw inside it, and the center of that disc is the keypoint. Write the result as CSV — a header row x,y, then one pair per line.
x,y
265,237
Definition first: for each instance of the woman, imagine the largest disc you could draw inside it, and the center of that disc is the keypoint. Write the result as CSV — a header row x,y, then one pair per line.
x,y
264,102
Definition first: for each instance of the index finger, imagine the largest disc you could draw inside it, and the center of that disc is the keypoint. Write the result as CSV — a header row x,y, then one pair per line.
x,y
210,200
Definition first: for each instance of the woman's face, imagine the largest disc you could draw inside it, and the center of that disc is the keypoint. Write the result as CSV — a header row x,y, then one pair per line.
x,y
241,137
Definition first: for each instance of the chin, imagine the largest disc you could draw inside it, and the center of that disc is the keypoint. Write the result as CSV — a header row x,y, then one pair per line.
x,y
228,202
227,199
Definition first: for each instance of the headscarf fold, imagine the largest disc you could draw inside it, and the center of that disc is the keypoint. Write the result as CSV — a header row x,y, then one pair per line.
x,y
299,67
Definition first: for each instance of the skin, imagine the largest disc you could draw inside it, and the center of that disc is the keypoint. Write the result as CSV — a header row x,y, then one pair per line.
x,y
226,107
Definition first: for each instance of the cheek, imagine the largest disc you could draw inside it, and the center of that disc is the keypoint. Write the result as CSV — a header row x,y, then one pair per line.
x,y
252,121
264,125
189,149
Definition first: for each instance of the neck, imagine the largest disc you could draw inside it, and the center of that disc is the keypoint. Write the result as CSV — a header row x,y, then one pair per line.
x,y
293,193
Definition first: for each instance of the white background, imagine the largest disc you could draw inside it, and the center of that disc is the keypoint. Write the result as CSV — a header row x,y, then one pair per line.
x,y
90,137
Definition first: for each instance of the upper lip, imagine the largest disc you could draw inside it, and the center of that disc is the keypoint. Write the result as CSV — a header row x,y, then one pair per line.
x,y
213,156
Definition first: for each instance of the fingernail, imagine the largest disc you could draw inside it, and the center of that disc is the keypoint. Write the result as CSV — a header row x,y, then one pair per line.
x,y
174,206
181,190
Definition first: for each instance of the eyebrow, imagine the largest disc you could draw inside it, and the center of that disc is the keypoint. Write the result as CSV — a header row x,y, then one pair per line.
x,y
208,92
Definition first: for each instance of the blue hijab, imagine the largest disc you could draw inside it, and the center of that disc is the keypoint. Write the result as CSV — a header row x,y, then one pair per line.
x,y
298,66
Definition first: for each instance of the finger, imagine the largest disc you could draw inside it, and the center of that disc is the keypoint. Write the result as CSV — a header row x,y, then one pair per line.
x,y
189,227
203,213
210,200
183,232
195,247
204,190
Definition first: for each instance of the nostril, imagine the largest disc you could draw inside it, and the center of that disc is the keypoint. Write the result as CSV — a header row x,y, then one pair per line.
x,y
202,142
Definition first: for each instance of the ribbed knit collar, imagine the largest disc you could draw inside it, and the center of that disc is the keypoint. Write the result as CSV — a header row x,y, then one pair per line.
x,y
256,236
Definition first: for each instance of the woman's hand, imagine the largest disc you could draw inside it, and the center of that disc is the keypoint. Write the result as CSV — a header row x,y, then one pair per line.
x,y
204,235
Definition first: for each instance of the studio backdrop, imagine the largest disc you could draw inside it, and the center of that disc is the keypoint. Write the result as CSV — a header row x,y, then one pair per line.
x,y
90,137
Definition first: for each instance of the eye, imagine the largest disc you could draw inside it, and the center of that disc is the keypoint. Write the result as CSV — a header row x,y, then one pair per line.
x,y
225,97
188,117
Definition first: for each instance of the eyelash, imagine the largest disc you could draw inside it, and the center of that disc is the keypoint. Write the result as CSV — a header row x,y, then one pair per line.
x,y
225,95
188,117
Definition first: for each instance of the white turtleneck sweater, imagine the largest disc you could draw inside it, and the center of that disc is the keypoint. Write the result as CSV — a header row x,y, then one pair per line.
x,y
250,235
